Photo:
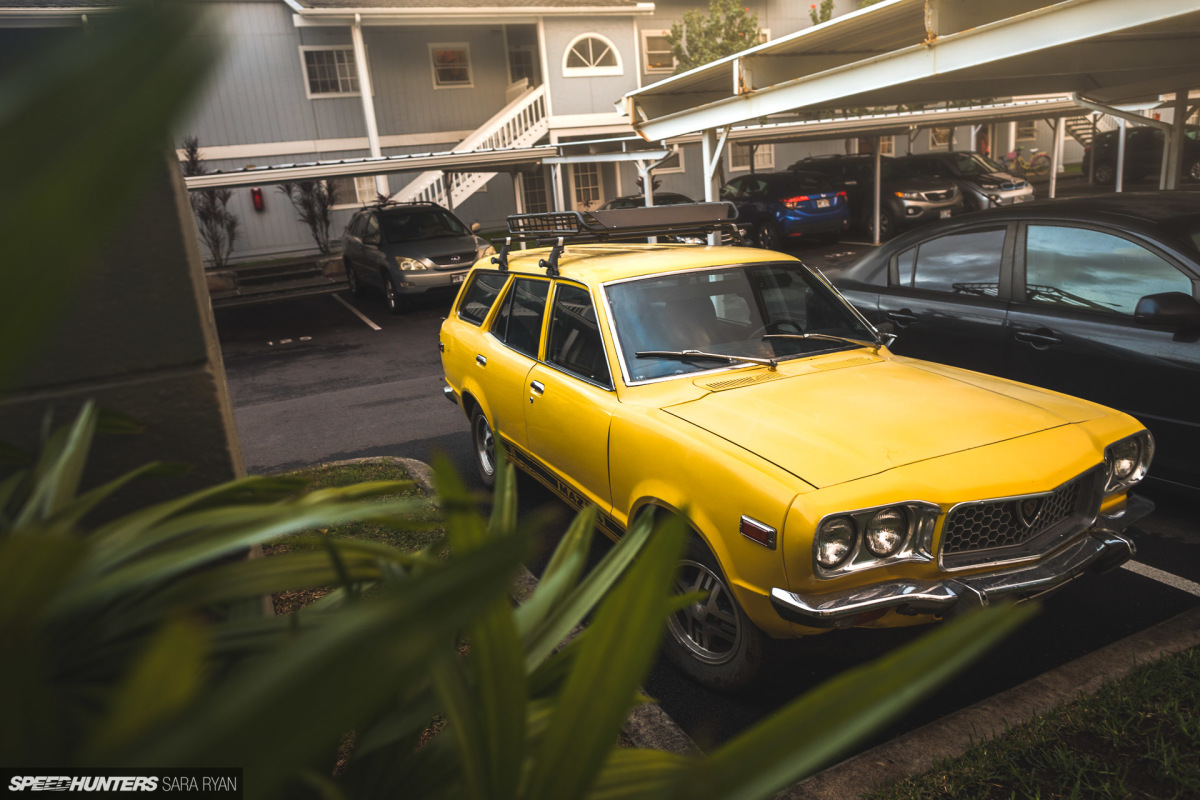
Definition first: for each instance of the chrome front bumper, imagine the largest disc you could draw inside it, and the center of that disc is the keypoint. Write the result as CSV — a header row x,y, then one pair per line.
x,y
1099,551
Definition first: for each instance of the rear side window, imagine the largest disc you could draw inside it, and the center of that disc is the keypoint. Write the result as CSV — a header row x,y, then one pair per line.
x,y
518,323
575,343
479,296
961,263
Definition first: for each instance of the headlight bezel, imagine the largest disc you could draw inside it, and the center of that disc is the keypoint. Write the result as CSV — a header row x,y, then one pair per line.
x,y
916,546
413,264
1115,484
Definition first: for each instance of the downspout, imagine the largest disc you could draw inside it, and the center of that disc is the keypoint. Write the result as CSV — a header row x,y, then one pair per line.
x,y
368,102
878,159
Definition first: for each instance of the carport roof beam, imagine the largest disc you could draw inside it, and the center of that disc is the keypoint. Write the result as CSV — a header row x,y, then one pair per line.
x,y
597,158
921,50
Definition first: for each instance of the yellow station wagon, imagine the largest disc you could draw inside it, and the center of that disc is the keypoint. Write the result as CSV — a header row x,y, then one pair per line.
x,y
829,483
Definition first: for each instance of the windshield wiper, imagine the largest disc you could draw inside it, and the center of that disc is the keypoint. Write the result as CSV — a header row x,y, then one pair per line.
x,y
822,336
687,355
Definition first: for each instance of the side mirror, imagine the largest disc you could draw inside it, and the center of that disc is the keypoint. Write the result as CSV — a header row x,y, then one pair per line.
x,y
476,227
1174,309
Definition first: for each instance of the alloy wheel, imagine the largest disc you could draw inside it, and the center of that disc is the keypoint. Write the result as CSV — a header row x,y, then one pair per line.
x,y
709,629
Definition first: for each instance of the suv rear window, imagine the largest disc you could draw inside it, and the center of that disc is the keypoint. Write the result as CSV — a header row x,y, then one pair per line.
x,y
479,296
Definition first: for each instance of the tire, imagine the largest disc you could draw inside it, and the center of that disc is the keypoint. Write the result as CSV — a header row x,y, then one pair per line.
x,y
395,301
713,641
1040,165
1192,170
356,287
887,225
1105,173
767,236
483,442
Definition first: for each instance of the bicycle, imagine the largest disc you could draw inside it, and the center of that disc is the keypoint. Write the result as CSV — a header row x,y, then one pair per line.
x,y
1039,164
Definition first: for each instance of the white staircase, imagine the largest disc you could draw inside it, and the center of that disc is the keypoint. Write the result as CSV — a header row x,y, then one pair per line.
x,y
521,123
1085,126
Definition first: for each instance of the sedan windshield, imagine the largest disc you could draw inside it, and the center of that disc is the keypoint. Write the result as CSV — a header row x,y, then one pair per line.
x,y
421,224
687,322
975,164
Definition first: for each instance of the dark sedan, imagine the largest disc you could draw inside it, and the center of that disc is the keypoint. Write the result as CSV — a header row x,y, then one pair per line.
x,y
1092,296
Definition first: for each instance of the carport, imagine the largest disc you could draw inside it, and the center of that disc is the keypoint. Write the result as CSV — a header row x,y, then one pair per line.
x,y
1101,53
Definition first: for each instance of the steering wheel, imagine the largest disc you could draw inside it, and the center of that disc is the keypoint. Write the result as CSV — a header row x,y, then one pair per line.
x,y
777,326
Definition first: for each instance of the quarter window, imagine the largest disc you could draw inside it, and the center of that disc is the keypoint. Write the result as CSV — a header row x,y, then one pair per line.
x,y
519,321
575,343
962,263
451,66
479,296
329,71
1089,269
591,54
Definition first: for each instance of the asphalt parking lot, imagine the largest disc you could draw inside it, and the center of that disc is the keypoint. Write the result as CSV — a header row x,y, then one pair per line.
x,y
333,377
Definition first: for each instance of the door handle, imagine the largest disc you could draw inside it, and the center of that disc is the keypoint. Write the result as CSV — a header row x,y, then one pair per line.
x,y
481,360
1039,341
902,317
537,387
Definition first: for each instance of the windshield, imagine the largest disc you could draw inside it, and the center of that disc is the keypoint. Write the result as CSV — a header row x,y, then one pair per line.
x,y
401,226
729,311
975,164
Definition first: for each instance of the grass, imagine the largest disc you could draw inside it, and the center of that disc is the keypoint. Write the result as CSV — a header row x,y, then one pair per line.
x,y
1139,737
421,528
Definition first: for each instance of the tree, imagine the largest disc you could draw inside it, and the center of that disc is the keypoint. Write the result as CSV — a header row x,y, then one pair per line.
x,y
825,13
728,29
314,202
218,226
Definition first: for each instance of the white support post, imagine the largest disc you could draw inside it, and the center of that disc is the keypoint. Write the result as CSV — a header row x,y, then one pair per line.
x,y
557,186
447,181
368,102
711,148
1056,152
1178,131
519,191
878,180
1120,187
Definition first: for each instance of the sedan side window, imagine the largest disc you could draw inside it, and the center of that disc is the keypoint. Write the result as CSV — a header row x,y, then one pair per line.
x,y
372,229
575,343
479,296
961,263
519,321
1090,269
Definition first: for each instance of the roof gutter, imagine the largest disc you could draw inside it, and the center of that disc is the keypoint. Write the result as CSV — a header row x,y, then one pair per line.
x,y
376,15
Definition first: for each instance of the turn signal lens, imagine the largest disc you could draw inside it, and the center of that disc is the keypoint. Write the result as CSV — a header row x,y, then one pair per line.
x,y
835,541
792,202
886,532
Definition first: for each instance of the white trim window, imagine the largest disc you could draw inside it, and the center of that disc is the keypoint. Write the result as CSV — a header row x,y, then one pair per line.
x,y
354,192
941,138
673,164
1026,130
739,157
585,178
590,55
656,51
451,65
329,71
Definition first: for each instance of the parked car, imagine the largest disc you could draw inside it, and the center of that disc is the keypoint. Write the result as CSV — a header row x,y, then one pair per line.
x,y
1143,154
408,249
777,207
1094,296
639,200
907,199
982,182
827,482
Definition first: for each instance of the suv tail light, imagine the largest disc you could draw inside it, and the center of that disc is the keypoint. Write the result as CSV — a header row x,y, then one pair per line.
x,y
792,202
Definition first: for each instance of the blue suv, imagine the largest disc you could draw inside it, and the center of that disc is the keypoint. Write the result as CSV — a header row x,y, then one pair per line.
x,y
778,207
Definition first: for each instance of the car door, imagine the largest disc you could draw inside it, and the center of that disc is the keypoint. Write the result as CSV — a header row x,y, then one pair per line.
x,y
371,262
1072,329
948,298
352,241
571,400
508,352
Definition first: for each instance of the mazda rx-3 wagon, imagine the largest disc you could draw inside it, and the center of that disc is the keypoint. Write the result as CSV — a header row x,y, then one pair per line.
x,y
828,483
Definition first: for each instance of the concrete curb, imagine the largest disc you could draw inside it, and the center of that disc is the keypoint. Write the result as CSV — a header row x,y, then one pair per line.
x,y
917,752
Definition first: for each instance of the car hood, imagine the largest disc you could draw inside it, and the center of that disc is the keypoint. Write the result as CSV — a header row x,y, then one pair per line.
x,y
440,247
838,423
991,179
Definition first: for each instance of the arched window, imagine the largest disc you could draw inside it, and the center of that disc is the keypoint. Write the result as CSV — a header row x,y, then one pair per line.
x,y
590,54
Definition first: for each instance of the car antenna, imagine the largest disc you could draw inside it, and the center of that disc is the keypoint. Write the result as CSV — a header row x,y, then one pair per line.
x,y
551,264
502,258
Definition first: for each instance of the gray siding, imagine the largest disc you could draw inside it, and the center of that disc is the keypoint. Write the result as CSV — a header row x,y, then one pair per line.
x,y
593,95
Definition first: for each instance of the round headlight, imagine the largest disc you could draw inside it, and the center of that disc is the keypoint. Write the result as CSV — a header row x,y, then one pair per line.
x,y
886,532
1125,458
835,541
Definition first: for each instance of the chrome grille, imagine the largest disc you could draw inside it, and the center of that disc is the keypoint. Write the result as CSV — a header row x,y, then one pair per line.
x,y
938,196
1020,526
464,259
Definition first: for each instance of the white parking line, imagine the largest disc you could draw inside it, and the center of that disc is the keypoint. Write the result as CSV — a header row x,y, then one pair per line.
x,y
1163,577
356,312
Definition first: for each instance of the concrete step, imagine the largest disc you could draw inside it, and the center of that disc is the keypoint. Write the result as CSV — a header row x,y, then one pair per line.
x,y
276,290
278,275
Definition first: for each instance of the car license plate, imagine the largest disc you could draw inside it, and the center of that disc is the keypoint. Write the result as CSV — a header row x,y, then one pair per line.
x,y
945,213
822,203
458,277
